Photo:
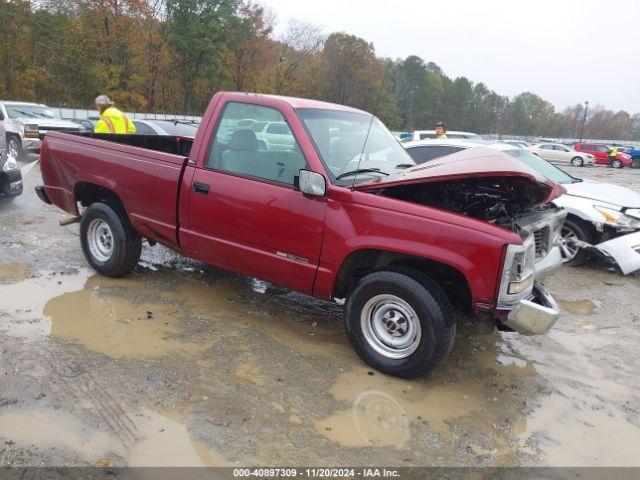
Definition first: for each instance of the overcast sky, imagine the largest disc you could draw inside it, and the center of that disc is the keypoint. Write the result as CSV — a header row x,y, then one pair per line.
x,y
566,51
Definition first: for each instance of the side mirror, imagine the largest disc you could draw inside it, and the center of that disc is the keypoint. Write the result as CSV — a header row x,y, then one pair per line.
x,y
1,116
311,183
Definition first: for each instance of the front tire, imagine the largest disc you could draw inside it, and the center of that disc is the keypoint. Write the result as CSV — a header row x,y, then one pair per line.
x,y
14,145
109,242
577,162
574,230
616,164
400,322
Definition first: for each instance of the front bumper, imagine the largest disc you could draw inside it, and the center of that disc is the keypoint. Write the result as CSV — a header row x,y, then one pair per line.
x,y
31,144
11,182
535,316
625,250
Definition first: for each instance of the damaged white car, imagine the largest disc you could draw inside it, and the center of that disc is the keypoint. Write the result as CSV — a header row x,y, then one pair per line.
x,y
601,218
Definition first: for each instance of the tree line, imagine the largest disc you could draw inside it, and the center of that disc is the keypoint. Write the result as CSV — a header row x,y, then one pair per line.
x,y
169,56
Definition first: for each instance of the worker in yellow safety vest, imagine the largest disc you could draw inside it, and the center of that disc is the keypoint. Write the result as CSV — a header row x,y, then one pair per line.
x,y
112,120
613,153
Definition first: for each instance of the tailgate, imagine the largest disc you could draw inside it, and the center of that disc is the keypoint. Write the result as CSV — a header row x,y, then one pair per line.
x,y
145,181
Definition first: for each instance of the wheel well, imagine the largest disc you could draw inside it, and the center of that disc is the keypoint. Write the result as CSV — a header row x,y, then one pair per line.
x,y
88,193
360,263
12,134
587,225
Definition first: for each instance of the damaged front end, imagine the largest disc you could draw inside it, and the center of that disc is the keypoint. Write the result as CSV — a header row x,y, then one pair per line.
x,y
514,203
494,188
623,251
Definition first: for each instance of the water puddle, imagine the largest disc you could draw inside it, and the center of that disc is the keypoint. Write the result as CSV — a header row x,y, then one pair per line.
x,y
578,307
569,433
156,314
14,272
22,303
382,408
159,440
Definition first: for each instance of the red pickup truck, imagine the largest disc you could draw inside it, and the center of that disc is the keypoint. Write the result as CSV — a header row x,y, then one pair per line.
x,y
328,204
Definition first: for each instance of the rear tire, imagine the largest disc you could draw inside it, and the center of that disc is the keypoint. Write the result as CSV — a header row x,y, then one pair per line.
x,y
400,322
109,242
577,162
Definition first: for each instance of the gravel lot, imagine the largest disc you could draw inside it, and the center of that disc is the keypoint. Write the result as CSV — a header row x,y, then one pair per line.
x,y
184,364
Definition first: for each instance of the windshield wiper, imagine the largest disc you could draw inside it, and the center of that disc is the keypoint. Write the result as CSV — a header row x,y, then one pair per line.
x,y
26,113
360,170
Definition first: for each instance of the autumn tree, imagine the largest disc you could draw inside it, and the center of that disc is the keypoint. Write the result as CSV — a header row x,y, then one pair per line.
x,y
298,58
250,50
197,31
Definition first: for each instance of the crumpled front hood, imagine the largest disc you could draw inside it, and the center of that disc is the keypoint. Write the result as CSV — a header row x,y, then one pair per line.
x,y
604,192
473,162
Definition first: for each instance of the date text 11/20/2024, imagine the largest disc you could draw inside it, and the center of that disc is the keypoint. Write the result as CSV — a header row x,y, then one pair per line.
x,y
365,472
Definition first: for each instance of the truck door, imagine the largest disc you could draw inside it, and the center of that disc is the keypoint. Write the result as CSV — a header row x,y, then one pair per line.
x,y
244,213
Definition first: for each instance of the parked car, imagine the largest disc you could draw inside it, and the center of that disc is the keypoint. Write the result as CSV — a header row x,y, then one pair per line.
x,y
423,134
602,217
634,153
557,153
517,143
87,123
274,135
22,124
344,214
10,175
165,127
601,152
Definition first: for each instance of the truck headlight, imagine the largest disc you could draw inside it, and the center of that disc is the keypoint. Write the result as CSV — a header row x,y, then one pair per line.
x,y
31,131
518,274
10,164
617,218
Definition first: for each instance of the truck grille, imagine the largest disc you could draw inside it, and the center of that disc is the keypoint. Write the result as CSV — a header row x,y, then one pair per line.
x,y
541,241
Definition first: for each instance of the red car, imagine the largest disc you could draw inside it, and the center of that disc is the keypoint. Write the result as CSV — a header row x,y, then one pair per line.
x,y
330,205
601,152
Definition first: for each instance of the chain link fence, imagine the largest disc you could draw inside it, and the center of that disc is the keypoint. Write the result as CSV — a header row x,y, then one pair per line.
x,y
81,114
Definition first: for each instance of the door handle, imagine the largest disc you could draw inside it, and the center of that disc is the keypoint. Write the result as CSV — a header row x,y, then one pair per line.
x,y
201,188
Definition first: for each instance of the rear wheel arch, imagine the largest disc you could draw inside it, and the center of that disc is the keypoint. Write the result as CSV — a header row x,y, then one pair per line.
x,y
87,193
363,262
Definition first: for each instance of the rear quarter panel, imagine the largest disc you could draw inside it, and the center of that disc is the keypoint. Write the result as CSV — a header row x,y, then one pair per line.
x,y
145,181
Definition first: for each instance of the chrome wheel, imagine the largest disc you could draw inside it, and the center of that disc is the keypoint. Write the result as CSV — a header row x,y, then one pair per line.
x,y
576,162
616,164
390,326
100,240
568,246
13,145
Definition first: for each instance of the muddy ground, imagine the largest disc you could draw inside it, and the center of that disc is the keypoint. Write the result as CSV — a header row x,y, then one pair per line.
x,y
184,364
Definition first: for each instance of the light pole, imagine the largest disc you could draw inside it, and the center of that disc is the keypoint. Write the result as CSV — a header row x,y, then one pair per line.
x,y
584,119
280,60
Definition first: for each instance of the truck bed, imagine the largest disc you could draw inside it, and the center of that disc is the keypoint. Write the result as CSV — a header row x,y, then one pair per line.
x,y
148,169
160,143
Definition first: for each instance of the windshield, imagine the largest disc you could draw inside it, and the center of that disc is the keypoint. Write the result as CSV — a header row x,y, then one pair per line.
x,y
542,166
29,111
339,138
